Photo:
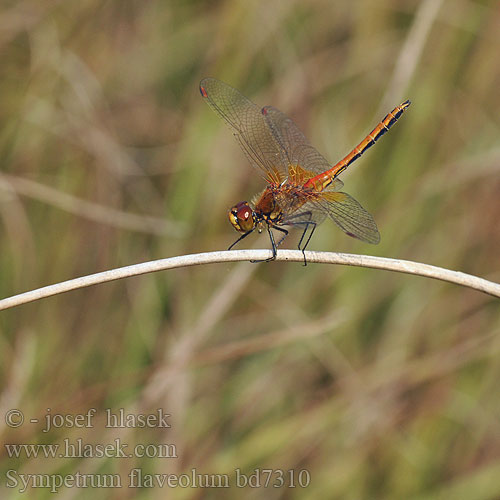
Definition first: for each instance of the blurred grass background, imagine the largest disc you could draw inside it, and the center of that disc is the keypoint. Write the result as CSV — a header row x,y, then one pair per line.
x,y
380,385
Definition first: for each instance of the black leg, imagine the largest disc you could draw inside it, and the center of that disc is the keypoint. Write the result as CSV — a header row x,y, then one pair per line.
x,y
306,223
313,224
274,246
283,237
240,238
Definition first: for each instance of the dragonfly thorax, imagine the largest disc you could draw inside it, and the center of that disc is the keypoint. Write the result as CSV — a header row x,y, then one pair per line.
x,y
242,217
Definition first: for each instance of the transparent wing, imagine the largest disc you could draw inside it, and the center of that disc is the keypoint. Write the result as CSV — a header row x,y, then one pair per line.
x,y
343,209
249,127
350,216
295,145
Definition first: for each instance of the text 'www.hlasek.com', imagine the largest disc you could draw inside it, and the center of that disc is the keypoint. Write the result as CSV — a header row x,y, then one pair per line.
x,y
152,464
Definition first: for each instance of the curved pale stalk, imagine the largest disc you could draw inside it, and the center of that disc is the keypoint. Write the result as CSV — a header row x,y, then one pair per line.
x,y
402,266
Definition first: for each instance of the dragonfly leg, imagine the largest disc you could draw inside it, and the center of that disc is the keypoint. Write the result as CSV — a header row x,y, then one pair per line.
x,y
274,246
283,237
307,224
240,238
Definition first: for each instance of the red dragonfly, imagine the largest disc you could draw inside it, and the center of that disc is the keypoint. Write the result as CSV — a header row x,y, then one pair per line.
x,y
302,187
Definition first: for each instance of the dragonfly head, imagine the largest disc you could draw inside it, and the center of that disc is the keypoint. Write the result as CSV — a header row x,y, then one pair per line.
x,y
242,217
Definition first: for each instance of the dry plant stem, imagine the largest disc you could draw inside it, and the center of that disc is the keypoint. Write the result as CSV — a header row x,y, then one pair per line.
x,y
402,266
411,52
90,210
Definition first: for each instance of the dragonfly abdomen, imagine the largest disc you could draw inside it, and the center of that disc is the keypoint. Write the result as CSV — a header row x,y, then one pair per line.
x,y
322,180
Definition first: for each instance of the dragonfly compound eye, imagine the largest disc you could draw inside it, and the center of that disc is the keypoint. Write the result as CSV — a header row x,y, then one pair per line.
x,y
241,217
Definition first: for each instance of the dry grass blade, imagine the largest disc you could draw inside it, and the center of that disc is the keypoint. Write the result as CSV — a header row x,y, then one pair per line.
x,y
89,210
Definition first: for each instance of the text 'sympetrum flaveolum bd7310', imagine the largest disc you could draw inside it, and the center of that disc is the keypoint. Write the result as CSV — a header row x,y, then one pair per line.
x,y
302,187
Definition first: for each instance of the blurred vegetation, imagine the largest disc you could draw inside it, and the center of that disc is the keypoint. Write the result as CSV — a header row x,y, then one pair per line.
x,y
380,385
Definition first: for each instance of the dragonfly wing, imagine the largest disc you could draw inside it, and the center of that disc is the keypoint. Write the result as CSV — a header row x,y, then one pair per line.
x,y
294,143
309,213
248,126
349,215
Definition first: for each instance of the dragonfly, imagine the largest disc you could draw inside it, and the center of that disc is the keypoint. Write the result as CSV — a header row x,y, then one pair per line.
x,y
303,188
